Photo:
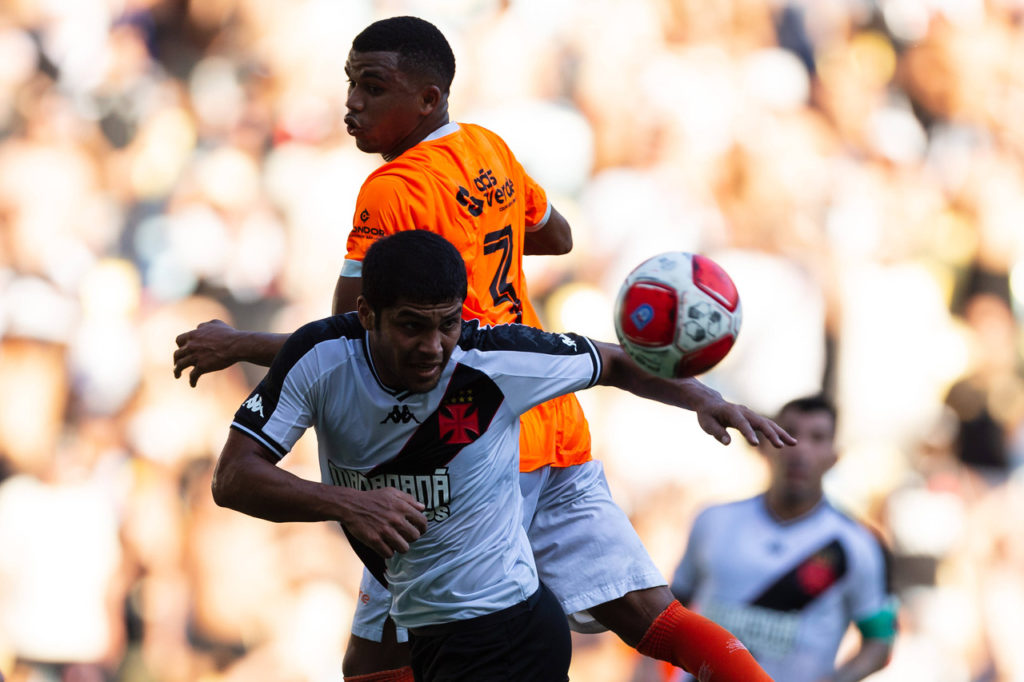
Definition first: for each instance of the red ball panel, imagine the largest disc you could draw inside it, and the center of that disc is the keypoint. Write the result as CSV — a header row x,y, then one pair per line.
x,y
648,315
703,359
715,282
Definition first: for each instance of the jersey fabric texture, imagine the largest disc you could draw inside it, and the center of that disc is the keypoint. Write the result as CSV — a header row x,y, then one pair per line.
x,y
464,183
454,448
787,589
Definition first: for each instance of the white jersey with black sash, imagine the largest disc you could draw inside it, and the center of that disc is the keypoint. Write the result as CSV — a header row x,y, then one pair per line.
x,y
454,448
787,589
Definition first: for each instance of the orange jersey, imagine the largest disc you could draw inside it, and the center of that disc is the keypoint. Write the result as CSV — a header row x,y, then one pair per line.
x,y
464,183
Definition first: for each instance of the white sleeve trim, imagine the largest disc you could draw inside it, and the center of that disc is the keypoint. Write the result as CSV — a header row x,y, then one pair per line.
x,y
261,439
351,268
598,365
543,221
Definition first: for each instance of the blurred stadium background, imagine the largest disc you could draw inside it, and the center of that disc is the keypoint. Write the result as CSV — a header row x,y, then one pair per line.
x,y
854,164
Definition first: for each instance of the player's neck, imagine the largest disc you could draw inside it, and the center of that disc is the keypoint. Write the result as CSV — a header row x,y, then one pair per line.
x,y
421,132
785,508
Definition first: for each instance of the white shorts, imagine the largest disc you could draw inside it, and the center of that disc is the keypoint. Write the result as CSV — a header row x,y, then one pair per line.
x,y
586,549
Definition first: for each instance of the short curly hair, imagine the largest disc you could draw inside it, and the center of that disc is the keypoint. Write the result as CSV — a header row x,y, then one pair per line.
x,y
415,266
421,47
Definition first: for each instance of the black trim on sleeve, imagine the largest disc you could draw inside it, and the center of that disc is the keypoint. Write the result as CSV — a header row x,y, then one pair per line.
x,y
527,339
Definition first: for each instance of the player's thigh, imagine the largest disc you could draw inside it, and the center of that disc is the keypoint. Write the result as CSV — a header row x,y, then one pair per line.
x,y
376,643
586,548
364,656
372,609
532,485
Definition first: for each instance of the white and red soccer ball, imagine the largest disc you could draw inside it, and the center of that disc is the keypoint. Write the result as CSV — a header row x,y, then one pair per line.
x,y
677,314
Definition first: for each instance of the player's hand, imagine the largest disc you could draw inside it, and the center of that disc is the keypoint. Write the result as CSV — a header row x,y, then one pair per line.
x,y
717,418
386,520
715,415
207,348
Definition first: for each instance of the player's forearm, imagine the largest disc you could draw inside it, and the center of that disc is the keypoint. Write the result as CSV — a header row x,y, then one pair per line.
x,y
620,371
259,348
248,483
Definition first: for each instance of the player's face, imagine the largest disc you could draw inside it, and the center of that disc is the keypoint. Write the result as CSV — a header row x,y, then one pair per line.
x,y
385,105
797,470
412,342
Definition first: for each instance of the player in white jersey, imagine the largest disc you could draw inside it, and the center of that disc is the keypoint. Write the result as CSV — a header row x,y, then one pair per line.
x,y
431,504
787,572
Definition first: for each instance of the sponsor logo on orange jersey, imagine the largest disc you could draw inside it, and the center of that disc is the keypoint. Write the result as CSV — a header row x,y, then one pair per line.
x,y
489,192
367,231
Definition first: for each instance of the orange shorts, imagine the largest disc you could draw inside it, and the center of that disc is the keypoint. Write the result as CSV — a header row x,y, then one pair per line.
x,y
555,433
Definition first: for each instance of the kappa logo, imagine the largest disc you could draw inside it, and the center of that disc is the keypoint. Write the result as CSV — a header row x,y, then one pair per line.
x,y
567,341
399,416
254,404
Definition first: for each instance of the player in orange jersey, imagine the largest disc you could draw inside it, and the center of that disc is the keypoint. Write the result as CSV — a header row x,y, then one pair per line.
x,y
463,182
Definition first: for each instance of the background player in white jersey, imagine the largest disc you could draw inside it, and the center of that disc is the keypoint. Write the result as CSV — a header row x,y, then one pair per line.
x,y
431,505
787,572
400,70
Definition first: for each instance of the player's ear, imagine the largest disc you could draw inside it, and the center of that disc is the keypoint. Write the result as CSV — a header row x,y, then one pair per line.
x,y
430,98
365,313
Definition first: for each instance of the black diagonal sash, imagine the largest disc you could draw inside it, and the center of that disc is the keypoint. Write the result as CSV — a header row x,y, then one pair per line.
x,y
807,580
465,412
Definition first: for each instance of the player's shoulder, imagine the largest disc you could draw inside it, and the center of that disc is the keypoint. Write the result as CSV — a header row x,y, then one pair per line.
x,y
391,179
727,512
475,130
481,142
521,338
855,529
312,334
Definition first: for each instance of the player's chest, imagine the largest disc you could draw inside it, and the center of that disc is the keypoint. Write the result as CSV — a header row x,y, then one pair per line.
x,y
419,433
780,567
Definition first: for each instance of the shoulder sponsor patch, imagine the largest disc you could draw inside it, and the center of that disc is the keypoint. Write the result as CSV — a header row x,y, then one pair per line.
x,y
367,232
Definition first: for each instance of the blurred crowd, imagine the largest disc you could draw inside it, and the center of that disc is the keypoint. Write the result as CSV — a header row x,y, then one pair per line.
x,y
854,164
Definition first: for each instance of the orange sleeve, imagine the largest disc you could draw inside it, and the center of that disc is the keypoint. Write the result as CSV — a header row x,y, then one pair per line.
x,y
401,199
382,208
536,200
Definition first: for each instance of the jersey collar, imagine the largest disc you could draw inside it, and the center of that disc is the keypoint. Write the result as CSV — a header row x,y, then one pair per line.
x,y
397,394
777,520
446,129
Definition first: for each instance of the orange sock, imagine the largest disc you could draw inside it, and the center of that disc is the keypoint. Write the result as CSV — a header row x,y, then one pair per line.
x,y
707,651
396,675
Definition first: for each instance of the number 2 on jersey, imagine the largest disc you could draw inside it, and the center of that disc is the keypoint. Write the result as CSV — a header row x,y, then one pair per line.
x,y
501,289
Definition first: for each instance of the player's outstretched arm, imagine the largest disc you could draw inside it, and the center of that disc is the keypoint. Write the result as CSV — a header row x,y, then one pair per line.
x,y
247,480
216,345
714,413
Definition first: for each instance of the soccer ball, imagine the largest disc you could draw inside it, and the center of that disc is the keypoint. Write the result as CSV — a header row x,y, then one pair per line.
x,y
677,314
